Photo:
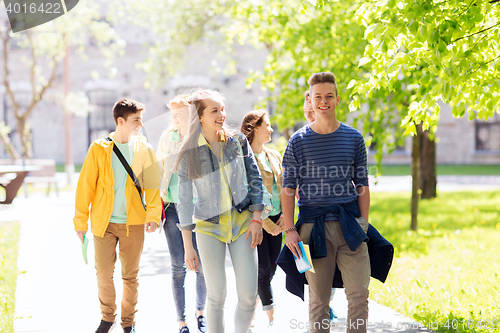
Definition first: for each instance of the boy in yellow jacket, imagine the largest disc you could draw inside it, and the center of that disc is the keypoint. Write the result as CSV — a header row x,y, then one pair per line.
x,y
117,214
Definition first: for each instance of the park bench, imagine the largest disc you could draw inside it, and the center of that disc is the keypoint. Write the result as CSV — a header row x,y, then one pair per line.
x,y
45,173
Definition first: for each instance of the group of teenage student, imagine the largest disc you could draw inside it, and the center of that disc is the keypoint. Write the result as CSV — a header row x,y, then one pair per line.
x,y
209,181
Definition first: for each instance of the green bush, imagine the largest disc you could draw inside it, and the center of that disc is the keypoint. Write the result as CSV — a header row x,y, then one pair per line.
x,y
9,238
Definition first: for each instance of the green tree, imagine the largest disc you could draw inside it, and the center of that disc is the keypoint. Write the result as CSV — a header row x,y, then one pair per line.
x,y
299,39
388,57
42,51
446,50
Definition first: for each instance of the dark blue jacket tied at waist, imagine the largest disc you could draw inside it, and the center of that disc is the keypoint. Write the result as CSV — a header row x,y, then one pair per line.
x,y
381,252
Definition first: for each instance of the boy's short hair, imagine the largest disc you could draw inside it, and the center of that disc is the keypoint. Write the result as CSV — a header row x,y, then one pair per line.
x,y
125,107
323,77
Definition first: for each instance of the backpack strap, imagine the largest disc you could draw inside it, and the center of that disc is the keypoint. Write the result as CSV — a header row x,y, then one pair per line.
x,y
128,169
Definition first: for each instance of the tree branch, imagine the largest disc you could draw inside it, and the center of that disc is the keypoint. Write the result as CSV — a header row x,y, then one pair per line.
x,y
485,63
456,40
473,46
7,143
466,9
38,96
6,72
10,149
33,63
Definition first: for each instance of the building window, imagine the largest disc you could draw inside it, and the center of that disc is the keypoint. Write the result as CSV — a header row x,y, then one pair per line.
x,y
101,120
488,135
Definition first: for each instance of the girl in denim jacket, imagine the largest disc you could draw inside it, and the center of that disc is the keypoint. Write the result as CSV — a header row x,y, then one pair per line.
x,y
219,165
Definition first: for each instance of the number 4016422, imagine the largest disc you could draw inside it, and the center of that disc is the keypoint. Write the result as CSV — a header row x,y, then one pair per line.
x,y
470,324
33,8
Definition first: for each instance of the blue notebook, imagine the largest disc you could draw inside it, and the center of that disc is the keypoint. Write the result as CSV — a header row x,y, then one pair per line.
x,y
304,263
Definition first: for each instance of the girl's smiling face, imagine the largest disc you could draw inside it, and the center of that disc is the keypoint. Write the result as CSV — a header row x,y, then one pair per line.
x,y
262,134
180,117
213,116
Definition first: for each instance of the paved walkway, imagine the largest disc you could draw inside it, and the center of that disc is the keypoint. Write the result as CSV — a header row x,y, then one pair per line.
x,y
57,292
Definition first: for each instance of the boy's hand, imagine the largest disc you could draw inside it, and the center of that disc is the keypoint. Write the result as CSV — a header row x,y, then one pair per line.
x,y
80,235
292,242
151,227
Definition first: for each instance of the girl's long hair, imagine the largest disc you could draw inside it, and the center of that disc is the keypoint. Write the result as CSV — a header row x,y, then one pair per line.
x,y
251,121
189,147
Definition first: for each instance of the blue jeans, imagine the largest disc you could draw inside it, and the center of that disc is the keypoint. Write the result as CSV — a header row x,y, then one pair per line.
x,y
244,260
176,249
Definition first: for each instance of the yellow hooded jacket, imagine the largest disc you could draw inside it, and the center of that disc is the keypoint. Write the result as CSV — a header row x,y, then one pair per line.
x,y
96,188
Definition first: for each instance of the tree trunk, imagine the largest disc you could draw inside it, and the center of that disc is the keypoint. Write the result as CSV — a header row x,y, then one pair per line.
x,y
428,180
415,175
10,149
25,137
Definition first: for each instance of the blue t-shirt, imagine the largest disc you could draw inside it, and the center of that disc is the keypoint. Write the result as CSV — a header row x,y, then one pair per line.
x,y
119,214
327,168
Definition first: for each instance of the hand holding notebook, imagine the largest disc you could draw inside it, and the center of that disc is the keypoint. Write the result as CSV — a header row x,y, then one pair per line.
x,y
304,263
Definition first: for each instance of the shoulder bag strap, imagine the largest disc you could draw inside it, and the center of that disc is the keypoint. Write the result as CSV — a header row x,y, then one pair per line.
x,y
129,170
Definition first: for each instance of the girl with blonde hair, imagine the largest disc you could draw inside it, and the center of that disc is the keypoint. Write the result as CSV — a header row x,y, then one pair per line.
x,y
168,148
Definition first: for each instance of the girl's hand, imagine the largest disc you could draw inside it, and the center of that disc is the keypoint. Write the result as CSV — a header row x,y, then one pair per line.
x,y
281,222
276,231
256,230
191,259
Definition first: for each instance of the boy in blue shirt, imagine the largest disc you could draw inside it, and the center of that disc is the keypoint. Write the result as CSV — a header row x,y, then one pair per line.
x,y
327,161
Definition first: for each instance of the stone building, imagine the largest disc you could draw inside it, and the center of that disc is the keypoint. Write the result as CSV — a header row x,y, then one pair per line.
x,y
460,141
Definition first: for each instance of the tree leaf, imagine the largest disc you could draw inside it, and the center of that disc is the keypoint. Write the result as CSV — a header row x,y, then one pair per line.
x,y
363,61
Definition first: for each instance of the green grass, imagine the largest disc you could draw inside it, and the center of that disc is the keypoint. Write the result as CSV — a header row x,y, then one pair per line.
x,y
61,168
9,237
441,169
450,268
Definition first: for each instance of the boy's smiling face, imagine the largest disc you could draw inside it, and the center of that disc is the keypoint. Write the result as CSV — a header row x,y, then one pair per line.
x,y
324,99
132,124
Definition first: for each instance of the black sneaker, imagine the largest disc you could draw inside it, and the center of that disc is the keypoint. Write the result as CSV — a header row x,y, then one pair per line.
x,y
184,329
105,327
202,324
130,329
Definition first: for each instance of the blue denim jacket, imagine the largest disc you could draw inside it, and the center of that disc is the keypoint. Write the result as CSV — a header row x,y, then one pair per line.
x,y
381,252
246,193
